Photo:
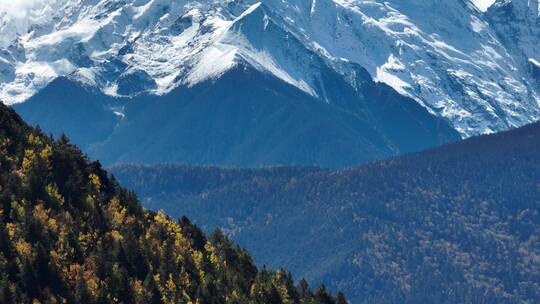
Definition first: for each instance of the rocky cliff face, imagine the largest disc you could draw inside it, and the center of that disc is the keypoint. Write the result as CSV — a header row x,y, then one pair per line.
x,y
517,25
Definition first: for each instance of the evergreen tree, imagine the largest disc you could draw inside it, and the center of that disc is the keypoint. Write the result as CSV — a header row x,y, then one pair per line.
x,y
69,233
340,298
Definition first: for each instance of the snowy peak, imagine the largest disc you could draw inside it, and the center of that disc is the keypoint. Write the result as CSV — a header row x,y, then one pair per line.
x,y
253,38
476,70
443,54
264,42
147,48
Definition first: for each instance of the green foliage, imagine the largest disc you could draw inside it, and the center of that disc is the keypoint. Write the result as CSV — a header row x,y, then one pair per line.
x,y
70,234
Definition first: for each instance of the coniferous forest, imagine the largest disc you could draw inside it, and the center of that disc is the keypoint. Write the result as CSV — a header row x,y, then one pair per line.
x,y
70,234
455,224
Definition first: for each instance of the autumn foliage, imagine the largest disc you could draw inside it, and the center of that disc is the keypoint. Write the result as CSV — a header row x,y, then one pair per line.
x,y
70,234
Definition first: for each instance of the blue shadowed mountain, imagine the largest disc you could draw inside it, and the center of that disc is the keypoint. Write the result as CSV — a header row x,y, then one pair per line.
x,y
245,118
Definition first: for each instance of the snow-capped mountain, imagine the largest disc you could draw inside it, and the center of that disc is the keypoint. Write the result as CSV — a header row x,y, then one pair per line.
x,y
478,71
448,56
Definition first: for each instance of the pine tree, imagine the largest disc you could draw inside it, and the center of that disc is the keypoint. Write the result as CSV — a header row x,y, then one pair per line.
x,y
322,296
303,289
69,233
152,294
81,290
340,298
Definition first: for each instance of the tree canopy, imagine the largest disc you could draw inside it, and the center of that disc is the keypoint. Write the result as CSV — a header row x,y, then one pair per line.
x,y
70,234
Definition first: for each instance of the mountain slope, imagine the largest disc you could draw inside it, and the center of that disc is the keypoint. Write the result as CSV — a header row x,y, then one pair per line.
x,y
517,24
458,62
268,123
70,234
475,71
457,224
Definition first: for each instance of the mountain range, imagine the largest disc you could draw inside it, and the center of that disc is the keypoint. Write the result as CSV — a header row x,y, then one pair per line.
x,y
388,149
247,83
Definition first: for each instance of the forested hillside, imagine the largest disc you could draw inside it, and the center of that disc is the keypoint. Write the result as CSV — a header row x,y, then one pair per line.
x,y
70,234
457,224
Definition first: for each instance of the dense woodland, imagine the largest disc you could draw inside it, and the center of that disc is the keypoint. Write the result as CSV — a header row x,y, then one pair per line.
x,y
456,224
70,234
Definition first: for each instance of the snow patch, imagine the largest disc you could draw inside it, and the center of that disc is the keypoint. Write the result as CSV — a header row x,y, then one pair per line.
x,y
86,76
250,10
478,25
313,7
483,5
384,75
213,63
38,74
17,16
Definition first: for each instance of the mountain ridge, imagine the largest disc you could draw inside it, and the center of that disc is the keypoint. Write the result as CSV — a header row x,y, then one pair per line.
x,y
456,223
460,68
70,234
212,123
364,62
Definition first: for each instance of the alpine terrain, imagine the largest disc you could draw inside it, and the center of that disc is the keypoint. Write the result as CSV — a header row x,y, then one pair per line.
x,y
388,149
326,82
